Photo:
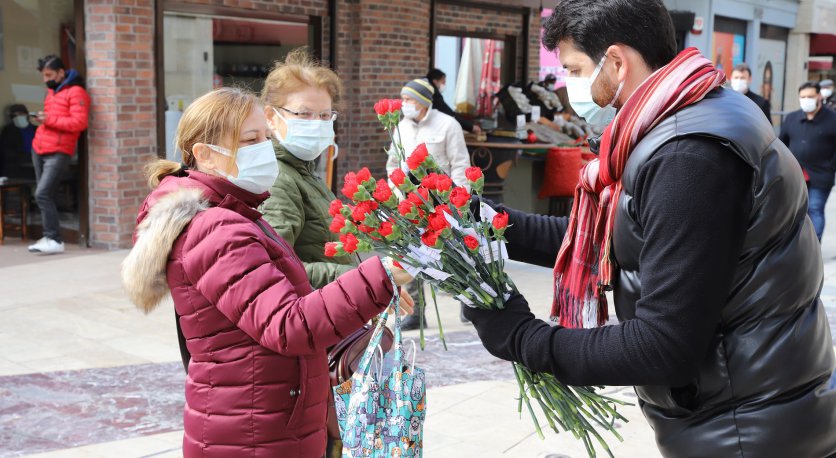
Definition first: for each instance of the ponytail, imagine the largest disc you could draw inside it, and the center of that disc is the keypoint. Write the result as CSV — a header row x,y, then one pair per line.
x,y
160,169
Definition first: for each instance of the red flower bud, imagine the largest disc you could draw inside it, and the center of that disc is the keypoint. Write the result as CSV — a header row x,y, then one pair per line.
x,y
405,208
500,221
473,173
381,107
330,249
430,238
382,192
471,242
398,177
364,175
362,209
437,221
460,197
385,229
430,181
350,185
443,183
337,223
349,243
417,157
335,208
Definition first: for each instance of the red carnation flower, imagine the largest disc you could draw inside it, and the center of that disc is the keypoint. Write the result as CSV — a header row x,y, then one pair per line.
x,y
337,223
330,249
443,183
385,229
500,221
362,209
335,208
430,181
382,192
398,177
443,209
437,221
365,229
381,107
471,243
406,207
349,243
364,175
473,173
460,197
395,104
417,157
430,238
350,185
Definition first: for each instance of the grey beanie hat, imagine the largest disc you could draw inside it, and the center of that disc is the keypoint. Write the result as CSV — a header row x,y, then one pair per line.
x,y
826,83
421,90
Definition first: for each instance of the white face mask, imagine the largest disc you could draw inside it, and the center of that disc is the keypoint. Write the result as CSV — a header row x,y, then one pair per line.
x,y
21,122
257,166
740,85
808,105
409,110
826,93
442,88
306,139
550,87
579,90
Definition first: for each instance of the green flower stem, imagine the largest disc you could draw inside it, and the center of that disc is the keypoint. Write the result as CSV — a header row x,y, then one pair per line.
x,y
438,316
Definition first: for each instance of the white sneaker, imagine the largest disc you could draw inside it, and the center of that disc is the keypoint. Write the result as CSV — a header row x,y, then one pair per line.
x,y
38,246
52,247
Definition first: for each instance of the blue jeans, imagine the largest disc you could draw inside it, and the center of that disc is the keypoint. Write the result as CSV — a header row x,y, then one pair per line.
x,y
817,201
49,169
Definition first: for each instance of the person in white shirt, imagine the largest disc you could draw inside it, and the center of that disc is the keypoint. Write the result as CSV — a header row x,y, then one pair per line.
x,y
441,133
445,142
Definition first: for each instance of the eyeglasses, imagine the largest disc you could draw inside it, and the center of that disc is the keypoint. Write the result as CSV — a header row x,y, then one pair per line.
x,y
327,115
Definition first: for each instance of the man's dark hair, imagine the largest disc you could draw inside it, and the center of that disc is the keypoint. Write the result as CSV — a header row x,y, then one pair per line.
x,y
595,25
51,62
742,68
810,84
435,74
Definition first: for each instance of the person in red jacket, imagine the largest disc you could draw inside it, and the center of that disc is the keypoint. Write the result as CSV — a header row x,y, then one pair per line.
x,y
257,332
63,120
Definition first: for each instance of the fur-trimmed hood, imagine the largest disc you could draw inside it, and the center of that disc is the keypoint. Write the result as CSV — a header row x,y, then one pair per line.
x,y
144,270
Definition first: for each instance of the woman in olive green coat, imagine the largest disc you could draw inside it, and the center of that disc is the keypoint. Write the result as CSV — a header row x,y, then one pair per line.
x,y
298,96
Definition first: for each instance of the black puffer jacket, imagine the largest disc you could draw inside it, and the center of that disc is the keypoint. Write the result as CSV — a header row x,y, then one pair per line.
x,y
762,389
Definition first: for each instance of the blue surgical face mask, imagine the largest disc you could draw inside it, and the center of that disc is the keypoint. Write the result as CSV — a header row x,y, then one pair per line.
x,y
579,90
257,166
306,139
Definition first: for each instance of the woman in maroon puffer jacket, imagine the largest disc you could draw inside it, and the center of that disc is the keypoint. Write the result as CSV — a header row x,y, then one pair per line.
x,y
258,379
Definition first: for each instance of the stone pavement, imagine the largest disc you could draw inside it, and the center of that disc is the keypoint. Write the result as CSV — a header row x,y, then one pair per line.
x,y
84,374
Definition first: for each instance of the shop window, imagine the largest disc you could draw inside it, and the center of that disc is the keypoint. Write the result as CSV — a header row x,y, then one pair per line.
x,y
729,43
476,69
30,30
206,52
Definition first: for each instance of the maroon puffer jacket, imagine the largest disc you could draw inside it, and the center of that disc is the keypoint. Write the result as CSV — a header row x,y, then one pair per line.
x,y
258,382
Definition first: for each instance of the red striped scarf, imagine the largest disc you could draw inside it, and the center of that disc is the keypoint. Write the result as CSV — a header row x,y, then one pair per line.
x,y
584,270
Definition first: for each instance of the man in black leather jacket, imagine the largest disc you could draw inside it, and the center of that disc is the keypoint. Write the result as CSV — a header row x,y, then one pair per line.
x,y
719,271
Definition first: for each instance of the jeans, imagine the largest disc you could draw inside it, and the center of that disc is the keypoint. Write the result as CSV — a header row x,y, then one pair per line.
x,y
817,201
49,169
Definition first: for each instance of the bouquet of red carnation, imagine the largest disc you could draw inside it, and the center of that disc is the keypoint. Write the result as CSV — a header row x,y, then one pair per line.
x,y
424,221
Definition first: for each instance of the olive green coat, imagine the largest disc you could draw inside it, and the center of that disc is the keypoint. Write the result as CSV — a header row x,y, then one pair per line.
x,y
298,210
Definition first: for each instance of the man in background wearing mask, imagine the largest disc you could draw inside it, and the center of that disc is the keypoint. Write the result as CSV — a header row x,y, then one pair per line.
x,y
438,79
810,133
695,217
16,144
445,142
64,118
741,79
828,100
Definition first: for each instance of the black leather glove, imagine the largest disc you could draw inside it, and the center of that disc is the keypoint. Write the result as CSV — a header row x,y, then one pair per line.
x,y
476,209
498,329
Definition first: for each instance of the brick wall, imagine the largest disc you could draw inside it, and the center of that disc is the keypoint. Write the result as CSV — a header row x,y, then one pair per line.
x,y
381,44
122,133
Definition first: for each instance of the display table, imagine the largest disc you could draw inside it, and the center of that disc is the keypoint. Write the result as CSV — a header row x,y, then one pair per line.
x,y
513,171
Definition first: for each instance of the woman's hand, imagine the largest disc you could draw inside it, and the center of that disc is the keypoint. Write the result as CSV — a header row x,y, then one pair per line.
x,y
400,276
407,305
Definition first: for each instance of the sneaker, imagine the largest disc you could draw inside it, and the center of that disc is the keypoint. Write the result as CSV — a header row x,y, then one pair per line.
x,y
38,246
412,322
52,247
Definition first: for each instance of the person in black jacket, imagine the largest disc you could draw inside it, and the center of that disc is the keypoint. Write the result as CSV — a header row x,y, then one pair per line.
x,y
715,267
438,79
741,79
16,144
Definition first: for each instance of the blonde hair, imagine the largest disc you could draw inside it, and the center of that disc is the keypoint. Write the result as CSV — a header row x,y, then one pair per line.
x,y
211,118
299,71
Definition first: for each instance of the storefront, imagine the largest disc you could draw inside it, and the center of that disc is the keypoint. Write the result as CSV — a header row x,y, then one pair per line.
x,y
30,30
144,61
